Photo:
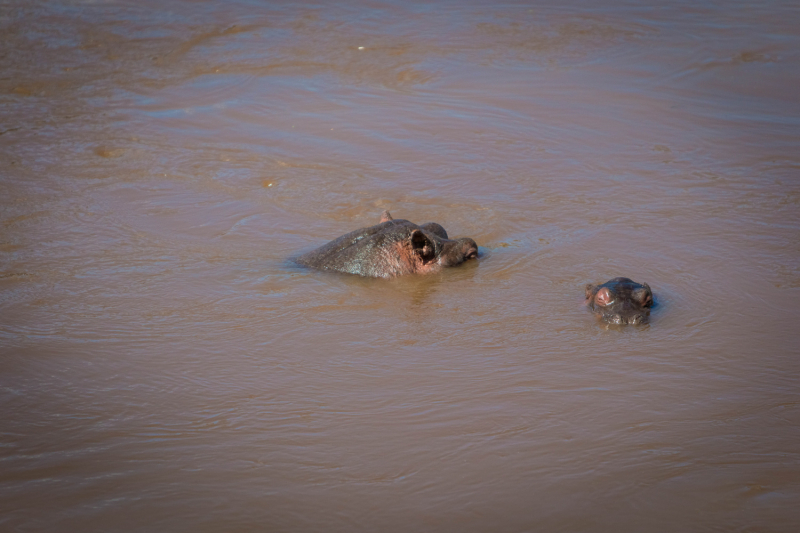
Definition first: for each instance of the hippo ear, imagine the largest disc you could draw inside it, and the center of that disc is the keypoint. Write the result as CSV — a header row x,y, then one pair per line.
x,y
386,217
643,296
421,244
589,289
604,297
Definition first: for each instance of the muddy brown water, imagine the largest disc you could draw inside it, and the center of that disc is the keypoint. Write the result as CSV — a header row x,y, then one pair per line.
x,y
165,367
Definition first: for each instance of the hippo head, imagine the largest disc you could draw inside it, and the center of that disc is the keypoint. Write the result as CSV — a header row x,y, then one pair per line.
x,y
426,250
392,248
620,301
450,252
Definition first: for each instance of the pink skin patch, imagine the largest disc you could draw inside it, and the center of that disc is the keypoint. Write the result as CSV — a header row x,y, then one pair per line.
x,y
405,259
603,297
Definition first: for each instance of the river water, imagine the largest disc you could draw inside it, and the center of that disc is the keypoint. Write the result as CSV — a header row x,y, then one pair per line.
x,y
164,366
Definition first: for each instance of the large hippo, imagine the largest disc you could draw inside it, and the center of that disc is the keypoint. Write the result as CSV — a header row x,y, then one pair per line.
x,y
391,248
620,301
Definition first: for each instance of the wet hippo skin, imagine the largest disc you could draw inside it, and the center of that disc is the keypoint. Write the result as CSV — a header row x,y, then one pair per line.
x,y
620,301
392,248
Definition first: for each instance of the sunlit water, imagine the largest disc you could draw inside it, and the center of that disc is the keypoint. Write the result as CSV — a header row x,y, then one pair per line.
x,y
164,366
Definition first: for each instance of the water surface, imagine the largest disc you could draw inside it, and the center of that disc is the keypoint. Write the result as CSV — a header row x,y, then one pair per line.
x,y
164,366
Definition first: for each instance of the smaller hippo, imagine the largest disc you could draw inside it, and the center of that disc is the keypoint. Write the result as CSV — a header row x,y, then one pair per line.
x,y
391,248
620,301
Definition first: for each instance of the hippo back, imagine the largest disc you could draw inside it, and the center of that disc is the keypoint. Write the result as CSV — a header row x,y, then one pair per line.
x,y
367,251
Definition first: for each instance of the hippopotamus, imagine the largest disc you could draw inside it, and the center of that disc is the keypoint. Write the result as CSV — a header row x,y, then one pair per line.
x,y
620,301
392,248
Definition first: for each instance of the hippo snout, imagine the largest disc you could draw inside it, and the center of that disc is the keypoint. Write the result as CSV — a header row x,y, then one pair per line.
x,y
458,251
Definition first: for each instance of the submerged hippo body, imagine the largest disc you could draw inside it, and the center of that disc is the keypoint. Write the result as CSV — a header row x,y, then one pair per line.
x,y
620,301
391,248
